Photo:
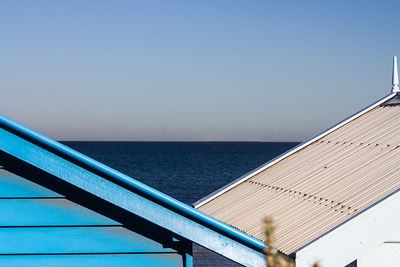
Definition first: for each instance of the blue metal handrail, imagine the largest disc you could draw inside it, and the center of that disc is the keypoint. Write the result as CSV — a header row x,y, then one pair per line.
x,y
130,183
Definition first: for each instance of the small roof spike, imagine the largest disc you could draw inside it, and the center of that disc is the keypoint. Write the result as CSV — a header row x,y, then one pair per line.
x,y
395,100
395,77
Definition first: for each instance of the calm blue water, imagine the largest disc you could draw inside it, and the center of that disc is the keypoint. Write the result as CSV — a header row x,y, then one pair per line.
x,y
186,171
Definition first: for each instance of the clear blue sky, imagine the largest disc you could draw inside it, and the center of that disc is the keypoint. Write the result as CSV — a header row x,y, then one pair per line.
x,y
193,70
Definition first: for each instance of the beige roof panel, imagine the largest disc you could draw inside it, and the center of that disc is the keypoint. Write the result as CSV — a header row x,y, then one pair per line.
x,y
320,186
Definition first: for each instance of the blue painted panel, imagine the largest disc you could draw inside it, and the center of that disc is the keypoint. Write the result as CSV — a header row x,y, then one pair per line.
x,y
147,260
45,212
34,240
12,185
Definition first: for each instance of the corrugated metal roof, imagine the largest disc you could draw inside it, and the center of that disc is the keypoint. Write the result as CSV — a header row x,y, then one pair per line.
x,y
320,186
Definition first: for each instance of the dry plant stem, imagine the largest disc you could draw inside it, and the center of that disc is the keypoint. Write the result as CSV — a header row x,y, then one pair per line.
x,y
269,249
273,259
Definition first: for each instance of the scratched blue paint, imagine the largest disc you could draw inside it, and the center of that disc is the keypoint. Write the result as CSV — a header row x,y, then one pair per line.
x,y
146,260
48,212
33,240
221,241
13,186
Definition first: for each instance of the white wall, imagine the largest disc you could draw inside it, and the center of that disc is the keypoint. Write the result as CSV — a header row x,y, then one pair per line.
x,y
355,238
385,255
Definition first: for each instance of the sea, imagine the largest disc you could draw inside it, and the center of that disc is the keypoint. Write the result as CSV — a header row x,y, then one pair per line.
x,y
187,171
